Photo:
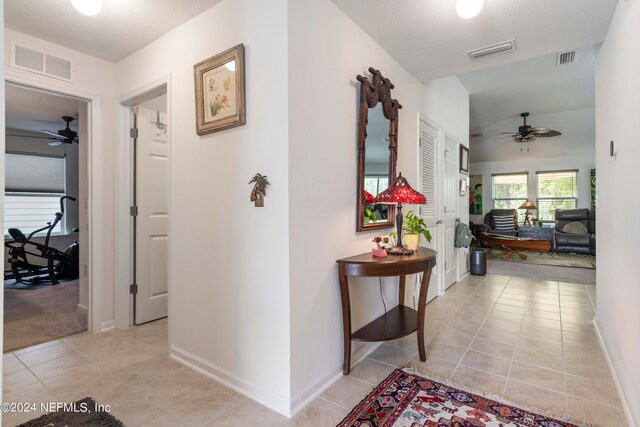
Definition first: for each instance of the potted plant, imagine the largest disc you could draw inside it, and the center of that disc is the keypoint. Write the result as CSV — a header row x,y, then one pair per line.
x,y
414,226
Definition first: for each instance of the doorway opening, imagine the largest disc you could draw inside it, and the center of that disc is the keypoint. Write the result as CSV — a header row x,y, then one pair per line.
x,y
45,295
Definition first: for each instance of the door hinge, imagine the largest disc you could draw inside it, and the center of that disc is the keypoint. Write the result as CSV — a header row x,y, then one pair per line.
x,y
133,288
133,211
133,132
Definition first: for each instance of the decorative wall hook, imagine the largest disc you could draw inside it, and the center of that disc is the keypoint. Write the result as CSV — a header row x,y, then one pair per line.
x,y
259,189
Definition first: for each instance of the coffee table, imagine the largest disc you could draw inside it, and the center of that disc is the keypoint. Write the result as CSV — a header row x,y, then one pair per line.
x,y
509,245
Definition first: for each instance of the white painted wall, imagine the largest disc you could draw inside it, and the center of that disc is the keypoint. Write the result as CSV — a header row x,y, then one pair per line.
x,y
94,78
230,284
2,124
584,162
446,102
617,112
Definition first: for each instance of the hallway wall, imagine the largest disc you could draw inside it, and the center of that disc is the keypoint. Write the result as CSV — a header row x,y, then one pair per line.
x,y
617,110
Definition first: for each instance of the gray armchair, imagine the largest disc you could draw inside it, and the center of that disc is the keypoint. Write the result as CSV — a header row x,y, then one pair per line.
x,y
489,225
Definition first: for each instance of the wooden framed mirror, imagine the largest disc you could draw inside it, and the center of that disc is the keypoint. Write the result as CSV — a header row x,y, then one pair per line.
x,y
377,150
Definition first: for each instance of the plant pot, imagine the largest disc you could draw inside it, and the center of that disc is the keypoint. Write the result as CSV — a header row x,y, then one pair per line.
x,y
412,241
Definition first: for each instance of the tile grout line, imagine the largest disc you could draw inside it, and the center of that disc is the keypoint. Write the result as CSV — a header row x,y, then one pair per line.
x,y
481,326
513,357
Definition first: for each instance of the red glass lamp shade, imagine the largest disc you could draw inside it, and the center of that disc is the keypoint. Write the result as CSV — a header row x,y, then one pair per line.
x,y
368,197
400,192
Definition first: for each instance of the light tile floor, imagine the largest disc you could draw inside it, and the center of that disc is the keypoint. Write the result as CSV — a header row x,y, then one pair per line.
x,y
532,342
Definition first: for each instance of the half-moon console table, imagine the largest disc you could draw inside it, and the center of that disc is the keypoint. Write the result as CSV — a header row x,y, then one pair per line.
x,y
397,322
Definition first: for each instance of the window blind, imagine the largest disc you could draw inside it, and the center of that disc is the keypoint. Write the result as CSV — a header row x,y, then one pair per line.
x,y
556,190
509,191
26,173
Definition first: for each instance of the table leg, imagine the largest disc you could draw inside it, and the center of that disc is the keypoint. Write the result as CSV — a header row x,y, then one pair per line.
x,y
401,287
346,318
422,305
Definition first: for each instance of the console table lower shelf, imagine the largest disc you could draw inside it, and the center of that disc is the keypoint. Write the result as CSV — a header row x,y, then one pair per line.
x,y
397,322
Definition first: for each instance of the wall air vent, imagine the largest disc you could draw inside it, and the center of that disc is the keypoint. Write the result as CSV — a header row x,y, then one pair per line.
x,y
42,63
567,57
493,49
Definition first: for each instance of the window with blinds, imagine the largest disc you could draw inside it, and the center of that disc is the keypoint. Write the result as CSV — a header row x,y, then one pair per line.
x,y
556,190
34,185
509,191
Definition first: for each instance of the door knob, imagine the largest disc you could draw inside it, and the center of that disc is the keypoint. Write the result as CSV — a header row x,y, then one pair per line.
x,y
439,221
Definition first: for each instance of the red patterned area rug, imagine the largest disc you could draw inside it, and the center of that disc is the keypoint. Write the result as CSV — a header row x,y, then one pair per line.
x,y
409,400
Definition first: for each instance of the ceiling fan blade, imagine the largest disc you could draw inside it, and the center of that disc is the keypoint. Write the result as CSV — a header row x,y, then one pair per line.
x,y
548,134
507,133
539,130
56,142
27,136
54,134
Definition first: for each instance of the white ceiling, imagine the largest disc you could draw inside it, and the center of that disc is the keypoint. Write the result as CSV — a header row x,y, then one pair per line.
x,y
429,39
536,85
32,111
121,28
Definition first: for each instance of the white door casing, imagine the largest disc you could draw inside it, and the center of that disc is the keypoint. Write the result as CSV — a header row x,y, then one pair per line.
x,y
151,221
429,141
450,208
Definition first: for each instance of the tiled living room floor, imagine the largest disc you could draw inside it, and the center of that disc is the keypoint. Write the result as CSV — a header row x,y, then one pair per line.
x,y
531,342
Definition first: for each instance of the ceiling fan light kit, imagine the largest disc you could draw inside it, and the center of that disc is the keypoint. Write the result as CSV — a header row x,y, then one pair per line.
x,y
467,9
87,7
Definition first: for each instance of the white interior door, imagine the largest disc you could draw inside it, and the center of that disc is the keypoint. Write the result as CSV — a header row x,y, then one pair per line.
x,y
151,220
450,200
428,184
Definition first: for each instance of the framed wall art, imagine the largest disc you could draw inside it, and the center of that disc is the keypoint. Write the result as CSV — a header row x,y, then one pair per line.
x,y
464,159
220,91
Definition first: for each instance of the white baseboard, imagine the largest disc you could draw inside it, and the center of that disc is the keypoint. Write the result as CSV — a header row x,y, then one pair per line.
x,y
83,308
278,403
632,419
313,390
107,326
281,404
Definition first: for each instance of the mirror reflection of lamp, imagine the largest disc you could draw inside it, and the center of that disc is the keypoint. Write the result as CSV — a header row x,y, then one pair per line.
x,y
400,192
368,198
527,215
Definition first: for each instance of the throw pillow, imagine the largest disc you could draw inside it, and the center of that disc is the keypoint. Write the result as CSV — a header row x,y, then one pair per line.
x,y
575,228
504,223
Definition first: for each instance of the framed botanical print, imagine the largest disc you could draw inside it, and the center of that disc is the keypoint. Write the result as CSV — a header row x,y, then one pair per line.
x,y
220,91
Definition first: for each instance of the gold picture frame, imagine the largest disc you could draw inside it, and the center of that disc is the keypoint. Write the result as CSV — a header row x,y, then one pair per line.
x,y
220,91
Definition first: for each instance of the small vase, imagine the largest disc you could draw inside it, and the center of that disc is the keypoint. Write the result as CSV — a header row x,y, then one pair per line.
x,y
412,241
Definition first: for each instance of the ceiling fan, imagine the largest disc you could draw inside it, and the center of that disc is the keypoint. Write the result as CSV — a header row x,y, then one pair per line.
x,y
63,136
526,133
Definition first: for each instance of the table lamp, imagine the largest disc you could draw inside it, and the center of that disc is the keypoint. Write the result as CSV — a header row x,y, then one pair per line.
x,y
400,192
527,205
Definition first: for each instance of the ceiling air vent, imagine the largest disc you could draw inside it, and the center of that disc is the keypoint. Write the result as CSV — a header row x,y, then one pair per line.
x,y
567,57
493,49
41,63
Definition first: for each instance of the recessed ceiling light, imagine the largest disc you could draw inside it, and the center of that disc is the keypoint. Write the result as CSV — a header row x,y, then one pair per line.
x,y
87,7
467,9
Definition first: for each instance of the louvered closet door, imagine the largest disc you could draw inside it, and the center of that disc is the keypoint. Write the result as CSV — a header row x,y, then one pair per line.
x,y
428,183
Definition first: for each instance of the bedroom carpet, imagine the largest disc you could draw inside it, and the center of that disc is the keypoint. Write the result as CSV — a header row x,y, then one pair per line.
x,y
40,315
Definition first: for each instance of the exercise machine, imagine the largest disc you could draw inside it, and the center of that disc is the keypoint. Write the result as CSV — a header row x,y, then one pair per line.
x,y
59,264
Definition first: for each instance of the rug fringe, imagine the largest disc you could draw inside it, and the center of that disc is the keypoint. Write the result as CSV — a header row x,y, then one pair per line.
x,y
498,398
